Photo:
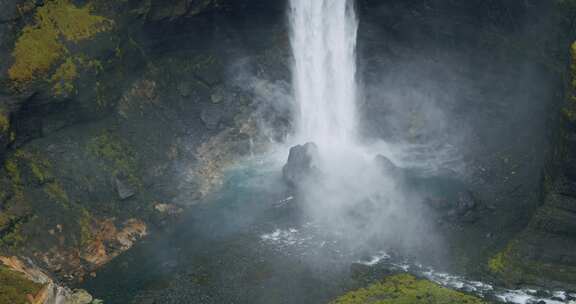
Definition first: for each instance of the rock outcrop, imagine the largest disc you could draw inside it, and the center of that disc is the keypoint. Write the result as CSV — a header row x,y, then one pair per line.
x,y
50,291
544,252
388,168
109,107
302,165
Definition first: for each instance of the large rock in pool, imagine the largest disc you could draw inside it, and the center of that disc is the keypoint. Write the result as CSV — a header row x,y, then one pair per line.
x,y
301,164
388,168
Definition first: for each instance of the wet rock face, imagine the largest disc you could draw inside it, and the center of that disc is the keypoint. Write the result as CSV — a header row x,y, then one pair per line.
x,y
389,168
544,253
301,164
139,112
123,188
38,287
465,209
160,10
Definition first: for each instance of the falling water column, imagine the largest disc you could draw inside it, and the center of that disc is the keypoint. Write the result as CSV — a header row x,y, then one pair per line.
x,y
323,42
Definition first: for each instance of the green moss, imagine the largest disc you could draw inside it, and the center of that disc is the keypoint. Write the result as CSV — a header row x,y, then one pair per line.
x,y
21,160
513,266
85,224
42,44
406,289
92,64
40,172
507,265
14,287
36,50
74,23
27,166
64,77
6,219
497,263
13,238
501,263
11,166
56,193
117,155
4,121
569,110
15,176
39,166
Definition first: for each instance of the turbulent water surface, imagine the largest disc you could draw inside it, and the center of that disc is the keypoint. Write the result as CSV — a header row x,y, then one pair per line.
x,y
250,244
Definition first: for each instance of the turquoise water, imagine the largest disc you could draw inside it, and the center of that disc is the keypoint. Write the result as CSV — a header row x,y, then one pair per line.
x,y
225,251
249,243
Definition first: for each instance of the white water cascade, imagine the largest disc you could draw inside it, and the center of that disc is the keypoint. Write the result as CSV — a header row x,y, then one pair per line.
x,y
323,37
355,204
324,48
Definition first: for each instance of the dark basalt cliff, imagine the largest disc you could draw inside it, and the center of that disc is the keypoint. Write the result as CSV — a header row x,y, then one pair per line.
x,y
503,74
114,115
544,252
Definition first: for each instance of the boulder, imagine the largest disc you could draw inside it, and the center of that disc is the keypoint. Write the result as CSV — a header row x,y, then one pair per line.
x,y
465,203
385,163
301,164
465,208
388,167
211,117
168,209
80,297
123,188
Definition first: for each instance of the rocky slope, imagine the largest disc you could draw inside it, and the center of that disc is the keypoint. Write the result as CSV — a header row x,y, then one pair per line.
x,y
114,115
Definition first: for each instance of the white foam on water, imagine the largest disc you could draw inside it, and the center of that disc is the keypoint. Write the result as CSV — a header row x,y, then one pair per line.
x,y
375,259
305,238
284,238
519,296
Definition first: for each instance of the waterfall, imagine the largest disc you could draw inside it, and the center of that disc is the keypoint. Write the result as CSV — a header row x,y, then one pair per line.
x,y
355,191
323,42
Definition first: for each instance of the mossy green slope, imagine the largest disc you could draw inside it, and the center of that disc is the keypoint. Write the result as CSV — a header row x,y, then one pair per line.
x,y
14,287
43,44
406,289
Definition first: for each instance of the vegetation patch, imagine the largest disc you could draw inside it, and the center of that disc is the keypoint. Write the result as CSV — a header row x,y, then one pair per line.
x,y
14,287
37,170
569,109
85,223
42,44
406,289
502,264
39,166
497,264
14,175
64,76
56,193
4,121
11,236
118,156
